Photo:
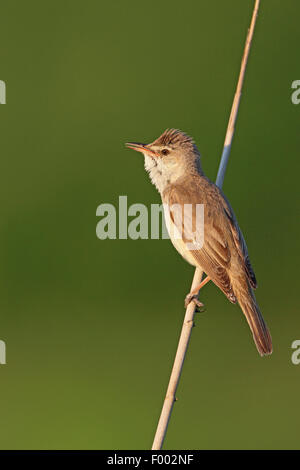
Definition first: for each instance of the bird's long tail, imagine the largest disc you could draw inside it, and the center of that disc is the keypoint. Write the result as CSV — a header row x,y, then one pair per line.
x,y
261,334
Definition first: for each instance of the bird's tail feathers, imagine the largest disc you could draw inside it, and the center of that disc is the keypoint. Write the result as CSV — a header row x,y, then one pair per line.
x,y
261,334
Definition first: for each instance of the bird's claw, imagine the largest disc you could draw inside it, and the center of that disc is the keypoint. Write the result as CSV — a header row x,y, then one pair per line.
x,y
194,298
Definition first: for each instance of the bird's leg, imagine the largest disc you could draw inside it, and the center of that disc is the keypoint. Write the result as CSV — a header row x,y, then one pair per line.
x,y
193,295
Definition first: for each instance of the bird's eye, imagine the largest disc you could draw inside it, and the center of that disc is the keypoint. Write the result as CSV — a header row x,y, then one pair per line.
x,y
165,151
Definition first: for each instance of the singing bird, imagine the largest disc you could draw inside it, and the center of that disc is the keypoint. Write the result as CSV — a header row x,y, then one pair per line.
x,y
174,166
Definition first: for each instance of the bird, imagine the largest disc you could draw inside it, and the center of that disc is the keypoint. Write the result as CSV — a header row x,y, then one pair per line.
x,y
173,162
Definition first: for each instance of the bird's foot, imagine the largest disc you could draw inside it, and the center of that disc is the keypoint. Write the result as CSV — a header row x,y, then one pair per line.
x,y
194,298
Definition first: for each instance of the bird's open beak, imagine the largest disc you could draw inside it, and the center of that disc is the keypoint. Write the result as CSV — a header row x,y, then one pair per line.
x,y
143,148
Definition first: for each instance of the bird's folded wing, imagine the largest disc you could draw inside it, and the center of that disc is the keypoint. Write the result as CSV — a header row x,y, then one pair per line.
x,y
239,241
214,255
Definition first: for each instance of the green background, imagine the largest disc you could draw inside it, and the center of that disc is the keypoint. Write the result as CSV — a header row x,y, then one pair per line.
x,y
91,326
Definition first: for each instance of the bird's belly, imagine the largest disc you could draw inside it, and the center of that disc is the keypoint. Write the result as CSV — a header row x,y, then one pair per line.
x,y
177,241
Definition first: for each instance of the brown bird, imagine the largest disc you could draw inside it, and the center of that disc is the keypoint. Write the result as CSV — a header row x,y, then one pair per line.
x,y
174,165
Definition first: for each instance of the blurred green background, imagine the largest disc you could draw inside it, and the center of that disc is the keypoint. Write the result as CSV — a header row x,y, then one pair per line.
x,y
91,326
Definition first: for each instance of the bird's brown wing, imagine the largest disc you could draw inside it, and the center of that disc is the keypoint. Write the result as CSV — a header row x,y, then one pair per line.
x,y
239,241
214,255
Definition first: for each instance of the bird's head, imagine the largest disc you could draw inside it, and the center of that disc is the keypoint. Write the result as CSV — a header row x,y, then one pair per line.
x,y
172,156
